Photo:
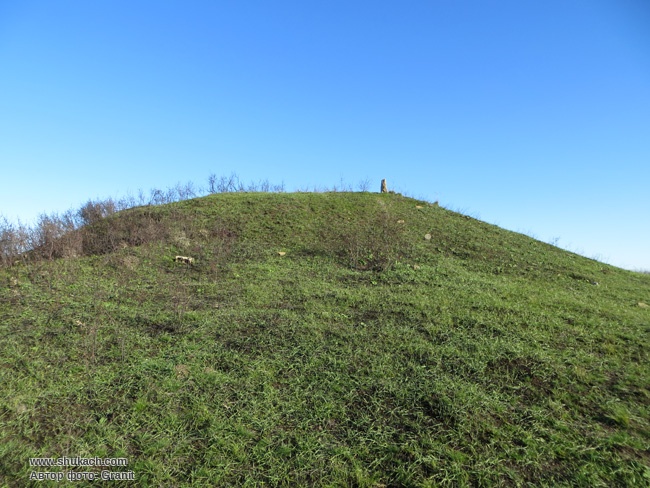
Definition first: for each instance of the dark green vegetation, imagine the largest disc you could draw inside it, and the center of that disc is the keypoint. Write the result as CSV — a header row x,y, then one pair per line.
x,y
366,355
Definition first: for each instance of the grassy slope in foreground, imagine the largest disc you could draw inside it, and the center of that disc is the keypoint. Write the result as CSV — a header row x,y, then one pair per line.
x,y
366,355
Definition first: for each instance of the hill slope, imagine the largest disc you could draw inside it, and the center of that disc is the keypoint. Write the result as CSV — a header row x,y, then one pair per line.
x,y
345,339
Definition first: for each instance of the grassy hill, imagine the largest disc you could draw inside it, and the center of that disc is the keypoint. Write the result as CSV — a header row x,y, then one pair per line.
x,y
334,339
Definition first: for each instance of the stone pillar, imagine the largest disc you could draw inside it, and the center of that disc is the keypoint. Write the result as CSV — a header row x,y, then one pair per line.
x,y
384,188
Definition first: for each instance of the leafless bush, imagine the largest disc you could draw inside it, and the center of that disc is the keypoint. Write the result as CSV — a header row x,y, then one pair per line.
x,y
185,191
170,195
97,238
91,229
69,242
126,202
364,185
130,229
141,198
157,197
375,244
94,211
223,238
52,236
212,183
232,183
342,187
14,241
227,184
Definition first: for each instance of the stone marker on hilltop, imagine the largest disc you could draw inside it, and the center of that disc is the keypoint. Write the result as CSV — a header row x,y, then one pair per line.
x,y
384,188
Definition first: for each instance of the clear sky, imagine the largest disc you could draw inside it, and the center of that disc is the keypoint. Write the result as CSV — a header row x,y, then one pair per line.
x,y
532,115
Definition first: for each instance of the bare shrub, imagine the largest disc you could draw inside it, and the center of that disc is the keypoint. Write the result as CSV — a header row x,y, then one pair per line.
x,y
126,202
46,237
342,187
223,240
212,183
14,241
364,185
157,197
91,230
142,200
141,228
185,191
171,195
92,212
130,229
69,243
232,183
53,236
228,184
375,244
97,238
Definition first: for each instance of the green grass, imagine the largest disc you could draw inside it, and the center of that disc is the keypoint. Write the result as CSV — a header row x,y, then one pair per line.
x,y
365,356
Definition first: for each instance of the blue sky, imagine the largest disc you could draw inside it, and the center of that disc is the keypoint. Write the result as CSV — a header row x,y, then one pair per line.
x,y
532,115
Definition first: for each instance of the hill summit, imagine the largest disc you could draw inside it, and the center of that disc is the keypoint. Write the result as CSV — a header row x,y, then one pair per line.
x,y
323,339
